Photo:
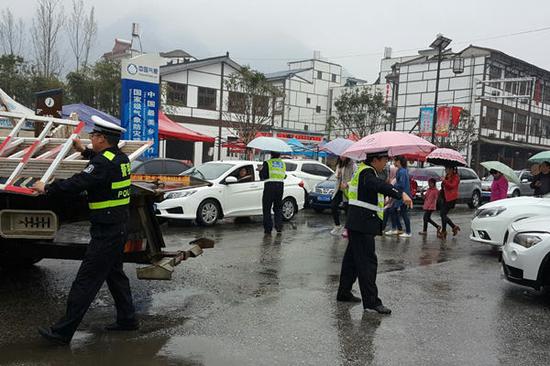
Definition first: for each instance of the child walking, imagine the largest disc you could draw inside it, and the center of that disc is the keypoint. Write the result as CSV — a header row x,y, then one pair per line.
x,y
430,203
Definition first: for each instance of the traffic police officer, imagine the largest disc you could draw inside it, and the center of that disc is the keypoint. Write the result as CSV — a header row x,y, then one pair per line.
x,y
273,173
364,222
106,179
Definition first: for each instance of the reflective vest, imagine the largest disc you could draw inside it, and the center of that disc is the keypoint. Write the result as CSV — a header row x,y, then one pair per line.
x,y
277,170
353,187
120,189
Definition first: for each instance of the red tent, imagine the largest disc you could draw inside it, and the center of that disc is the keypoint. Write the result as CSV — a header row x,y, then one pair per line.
x,y
169,129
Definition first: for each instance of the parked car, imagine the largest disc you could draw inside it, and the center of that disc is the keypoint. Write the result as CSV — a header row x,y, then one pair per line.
x,y
514,190
526,252
160,166
227,195
320,197
469,190
491,220
311,172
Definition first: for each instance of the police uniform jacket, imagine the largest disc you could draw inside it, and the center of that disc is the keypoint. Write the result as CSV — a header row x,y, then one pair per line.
x,y
364,220
106,179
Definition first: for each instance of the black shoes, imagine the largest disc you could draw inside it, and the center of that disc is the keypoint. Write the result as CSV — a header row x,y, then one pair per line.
x,y
348,298
53,337
381,309
122,327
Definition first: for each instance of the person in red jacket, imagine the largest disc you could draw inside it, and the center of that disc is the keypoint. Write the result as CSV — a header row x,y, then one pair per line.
x,y
430,204
448,197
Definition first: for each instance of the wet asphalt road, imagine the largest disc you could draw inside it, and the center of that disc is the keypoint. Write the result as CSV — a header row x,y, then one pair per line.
x,y
254,300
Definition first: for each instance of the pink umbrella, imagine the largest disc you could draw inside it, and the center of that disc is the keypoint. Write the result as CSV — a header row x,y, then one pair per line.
x,y
394,142
446,157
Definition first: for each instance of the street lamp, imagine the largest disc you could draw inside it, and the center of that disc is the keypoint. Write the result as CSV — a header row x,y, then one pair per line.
x,y
439,44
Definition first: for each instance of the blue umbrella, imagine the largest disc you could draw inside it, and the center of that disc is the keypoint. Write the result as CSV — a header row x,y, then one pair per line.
x,y
337,146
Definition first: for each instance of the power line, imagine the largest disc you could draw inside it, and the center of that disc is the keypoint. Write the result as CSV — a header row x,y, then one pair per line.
x,y
507,35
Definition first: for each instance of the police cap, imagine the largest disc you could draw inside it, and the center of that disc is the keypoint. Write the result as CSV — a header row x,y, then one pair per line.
x,y
379,154
106,128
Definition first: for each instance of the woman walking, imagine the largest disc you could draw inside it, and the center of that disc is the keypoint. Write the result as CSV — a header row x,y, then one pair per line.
x,y
344,172
400,210
448,196
430,203
499,187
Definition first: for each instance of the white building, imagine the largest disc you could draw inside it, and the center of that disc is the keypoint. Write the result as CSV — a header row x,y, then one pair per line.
x,y
508,127
303,111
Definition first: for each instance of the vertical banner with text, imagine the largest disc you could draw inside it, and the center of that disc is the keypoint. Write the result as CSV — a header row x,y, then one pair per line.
x,y
426,121
140,100
443,119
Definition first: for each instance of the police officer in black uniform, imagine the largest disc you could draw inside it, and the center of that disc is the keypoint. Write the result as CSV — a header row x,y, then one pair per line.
x,y
364,222
106,179
273,174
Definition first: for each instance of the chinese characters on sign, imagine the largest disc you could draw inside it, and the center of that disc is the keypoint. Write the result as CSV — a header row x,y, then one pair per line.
x,y
140,100
426,120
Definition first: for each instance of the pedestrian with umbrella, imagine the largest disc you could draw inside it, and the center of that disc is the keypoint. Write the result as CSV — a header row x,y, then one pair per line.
x,y
366,212
541,181
345,168
502,174
448,195
273,173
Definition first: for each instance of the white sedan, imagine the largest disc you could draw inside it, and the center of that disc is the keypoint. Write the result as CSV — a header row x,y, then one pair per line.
x,y
491,220
234,190
526,253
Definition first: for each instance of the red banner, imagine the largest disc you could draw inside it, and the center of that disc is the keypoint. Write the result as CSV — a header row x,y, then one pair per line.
x,y
443,119
455,115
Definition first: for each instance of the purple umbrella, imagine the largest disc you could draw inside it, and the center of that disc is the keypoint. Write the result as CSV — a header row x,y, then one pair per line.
x,y
337,146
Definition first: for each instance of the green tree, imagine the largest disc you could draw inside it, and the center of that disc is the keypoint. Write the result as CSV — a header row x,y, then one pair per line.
x,y
15,78
81,86
360,112
249,103
107,86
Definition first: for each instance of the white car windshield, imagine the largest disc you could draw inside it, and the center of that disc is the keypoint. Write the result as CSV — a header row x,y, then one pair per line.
x,y
208,171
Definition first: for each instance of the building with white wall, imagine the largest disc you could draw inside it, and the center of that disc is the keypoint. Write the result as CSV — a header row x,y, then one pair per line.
x,y
305,107
508,127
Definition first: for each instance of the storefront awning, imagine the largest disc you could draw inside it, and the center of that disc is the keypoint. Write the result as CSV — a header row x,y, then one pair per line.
x,y
169,129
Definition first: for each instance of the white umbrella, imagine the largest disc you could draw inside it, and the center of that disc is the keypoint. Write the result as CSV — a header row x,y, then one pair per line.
x,y
269,144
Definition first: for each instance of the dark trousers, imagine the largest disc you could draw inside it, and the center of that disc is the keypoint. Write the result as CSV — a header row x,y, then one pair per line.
x,y
360,262
102,262
428,220
273,198
399,210
335,207
444,212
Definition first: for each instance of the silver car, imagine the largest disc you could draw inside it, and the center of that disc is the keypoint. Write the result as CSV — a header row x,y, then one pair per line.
x,y
469,190
514,190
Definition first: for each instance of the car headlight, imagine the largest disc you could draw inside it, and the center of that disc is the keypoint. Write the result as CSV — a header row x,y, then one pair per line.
x,y
178,194
489,212
527,240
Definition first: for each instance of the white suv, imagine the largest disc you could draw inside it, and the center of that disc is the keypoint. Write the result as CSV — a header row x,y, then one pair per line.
x,y
310,171
526,252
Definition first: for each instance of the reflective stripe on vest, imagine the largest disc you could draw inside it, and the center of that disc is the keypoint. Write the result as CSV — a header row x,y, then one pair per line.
x,y
353,187
119,190
277,170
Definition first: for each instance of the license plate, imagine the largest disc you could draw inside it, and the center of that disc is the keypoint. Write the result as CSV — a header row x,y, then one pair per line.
x,y
324,198
28,224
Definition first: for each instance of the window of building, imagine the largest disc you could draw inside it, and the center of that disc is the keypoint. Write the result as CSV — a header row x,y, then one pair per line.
x,y
535,127
308,100
260,105
507,121
546,94
207,98
521,124
546,129
176,94
333,78
510,87
319,74
491,118
318,109
495,72
236,102
306,127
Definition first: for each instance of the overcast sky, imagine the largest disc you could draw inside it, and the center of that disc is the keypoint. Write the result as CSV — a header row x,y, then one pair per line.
x,y
267,34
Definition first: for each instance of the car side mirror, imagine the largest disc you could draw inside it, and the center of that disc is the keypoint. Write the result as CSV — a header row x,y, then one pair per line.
x,y
231,180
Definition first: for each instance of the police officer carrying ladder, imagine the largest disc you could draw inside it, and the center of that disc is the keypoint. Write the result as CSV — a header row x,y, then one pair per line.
x,y
106,179
364,222
273,173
